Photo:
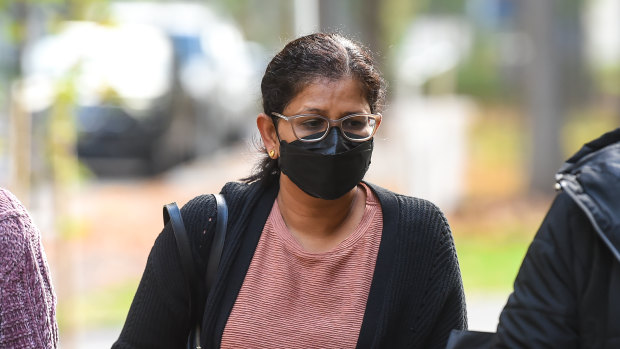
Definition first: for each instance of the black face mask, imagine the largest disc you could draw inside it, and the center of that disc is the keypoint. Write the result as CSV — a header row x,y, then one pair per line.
x,y
327,169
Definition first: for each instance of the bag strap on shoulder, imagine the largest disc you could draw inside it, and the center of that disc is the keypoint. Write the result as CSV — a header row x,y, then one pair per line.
x,y
172,214
217,246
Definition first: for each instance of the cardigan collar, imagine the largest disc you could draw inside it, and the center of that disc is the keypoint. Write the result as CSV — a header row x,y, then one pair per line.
x,y
254,201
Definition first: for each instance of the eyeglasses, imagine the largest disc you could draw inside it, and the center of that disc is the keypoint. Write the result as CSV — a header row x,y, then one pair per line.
x,y
313,128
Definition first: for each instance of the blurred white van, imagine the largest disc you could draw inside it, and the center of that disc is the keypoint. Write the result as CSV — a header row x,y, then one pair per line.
x,y
157,85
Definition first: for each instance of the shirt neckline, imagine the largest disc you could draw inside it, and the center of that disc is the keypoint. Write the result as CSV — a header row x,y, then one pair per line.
x,y
293,245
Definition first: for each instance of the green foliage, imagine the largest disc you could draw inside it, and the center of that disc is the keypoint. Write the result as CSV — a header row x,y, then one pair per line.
x,y
498,137
6,5
396,16
234,7
62,134
479,75
444,6
585,125
608,79
92,10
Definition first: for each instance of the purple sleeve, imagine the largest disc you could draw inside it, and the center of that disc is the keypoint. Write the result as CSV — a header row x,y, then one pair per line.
x,y
27,299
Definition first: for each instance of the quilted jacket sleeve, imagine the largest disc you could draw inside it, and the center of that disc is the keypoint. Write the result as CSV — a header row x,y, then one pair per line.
x,y
543,309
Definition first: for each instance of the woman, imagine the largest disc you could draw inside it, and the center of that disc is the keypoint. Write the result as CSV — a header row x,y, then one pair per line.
x,y
27,299
314,257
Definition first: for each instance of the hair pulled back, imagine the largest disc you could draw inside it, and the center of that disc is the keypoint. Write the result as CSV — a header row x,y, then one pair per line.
x,y
304,61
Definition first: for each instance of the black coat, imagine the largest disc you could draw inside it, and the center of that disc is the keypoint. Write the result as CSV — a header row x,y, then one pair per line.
x,y
567,292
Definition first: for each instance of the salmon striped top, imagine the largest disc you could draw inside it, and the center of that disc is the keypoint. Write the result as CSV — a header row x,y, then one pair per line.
x,y
291,298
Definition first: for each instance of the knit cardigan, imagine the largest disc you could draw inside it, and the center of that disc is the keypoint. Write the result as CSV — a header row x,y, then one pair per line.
x,y
27,300
416,296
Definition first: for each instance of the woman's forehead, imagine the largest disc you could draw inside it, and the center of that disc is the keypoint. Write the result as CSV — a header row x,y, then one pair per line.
x,y
330,95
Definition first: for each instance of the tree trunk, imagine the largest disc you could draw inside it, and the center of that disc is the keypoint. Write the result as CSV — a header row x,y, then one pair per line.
x,y
543,100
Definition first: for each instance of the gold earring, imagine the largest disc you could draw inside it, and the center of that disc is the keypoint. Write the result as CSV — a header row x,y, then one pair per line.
x,y
272,154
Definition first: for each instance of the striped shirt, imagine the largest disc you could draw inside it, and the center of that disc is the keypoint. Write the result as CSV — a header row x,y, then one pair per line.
x,y
292,298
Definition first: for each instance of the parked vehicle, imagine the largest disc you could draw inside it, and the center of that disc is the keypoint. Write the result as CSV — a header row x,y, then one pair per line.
x,y
150,94
217,68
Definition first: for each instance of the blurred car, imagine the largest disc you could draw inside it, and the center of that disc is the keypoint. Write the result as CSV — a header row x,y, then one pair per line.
x,y
217,68
149,94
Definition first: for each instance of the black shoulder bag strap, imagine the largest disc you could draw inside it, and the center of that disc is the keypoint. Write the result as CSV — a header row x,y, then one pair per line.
x,y
172,214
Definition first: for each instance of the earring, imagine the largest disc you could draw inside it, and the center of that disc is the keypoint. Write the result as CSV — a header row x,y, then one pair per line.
x,y
272,154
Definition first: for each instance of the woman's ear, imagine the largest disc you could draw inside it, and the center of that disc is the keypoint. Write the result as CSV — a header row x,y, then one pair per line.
x,y
268,134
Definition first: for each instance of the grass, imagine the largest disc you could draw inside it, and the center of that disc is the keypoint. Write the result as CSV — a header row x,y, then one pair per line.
x,y
489,266
104,307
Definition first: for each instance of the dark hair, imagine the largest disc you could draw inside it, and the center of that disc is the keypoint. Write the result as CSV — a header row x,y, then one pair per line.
x,y
304,61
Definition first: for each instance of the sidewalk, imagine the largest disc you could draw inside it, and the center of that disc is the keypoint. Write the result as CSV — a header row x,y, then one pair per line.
x,y
483,310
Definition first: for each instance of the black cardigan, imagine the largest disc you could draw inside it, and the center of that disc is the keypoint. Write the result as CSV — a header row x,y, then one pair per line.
x,y
416,296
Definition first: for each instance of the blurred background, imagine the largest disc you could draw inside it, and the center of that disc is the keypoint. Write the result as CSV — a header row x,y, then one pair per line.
x,y
108,110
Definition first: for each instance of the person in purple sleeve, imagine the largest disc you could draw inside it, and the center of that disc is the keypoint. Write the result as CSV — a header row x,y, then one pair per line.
x,y
27,299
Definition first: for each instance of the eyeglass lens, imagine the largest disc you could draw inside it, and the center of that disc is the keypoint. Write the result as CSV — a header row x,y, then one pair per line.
x,y
356,127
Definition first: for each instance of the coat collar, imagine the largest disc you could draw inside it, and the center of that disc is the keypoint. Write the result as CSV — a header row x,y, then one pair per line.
x,y
591,178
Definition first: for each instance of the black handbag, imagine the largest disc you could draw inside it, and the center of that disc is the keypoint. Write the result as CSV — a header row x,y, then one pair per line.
x,y
172,214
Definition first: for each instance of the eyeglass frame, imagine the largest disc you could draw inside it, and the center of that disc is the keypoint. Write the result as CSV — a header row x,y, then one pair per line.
x,y
331,123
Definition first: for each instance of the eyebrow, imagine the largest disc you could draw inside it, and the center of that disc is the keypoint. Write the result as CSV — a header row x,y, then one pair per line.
x,y
314,111
322,112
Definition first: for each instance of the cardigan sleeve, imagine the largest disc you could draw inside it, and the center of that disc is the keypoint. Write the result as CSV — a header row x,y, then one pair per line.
x,y
424,298
452,313
159,315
